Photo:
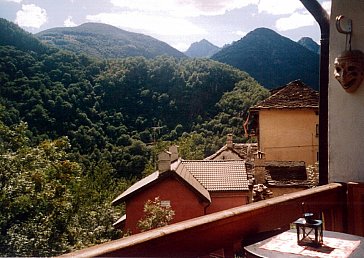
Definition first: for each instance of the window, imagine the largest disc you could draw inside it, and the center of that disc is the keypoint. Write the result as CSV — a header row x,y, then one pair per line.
x,y
166,203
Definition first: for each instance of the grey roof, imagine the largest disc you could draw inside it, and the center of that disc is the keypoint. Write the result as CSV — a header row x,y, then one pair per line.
x,y
295,94
285,173
240,149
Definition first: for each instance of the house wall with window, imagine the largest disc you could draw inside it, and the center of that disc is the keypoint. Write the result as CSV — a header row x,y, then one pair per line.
x,y
185,203
289,134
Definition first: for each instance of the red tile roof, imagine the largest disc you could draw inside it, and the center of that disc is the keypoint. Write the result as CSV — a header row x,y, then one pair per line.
x,y
295,94
202,176
219,175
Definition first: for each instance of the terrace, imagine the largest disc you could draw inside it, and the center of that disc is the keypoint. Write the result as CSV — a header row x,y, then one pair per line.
x,y
228,229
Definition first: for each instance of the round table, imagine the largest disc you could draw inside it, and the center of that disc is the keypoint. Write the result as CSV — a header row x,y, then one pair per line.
x,y
259,249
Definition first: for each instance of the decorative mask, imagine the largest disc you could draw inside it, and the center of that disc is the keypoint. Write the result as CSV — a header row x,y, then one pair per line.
x,y
349,69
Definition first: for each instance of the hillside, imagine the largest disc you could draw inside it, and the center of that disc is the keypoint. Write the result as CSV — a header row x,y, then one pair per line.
x,y
76,131
309,44
273,60
12,34
106,41
202,48
100,105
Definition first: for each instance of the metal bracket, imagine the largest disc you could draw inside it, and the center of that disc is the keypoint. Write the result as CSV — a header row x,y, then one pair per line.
x,y
348,28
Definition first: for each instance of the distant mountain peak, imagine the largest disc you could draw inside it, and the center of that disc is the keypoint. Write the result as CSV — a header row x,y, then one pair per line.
x,y
202,48
310,44
272,59
106,41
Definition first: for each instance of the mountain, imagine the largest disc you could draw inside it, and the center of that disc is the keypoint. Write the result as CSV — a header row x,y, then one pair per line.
x,y
309,44
202,48
76,131
273,60
12,34
106,41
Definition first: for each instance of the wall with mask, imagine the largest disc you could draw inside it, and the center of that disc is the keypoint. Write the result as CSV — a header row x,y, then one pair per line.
x,y
346,110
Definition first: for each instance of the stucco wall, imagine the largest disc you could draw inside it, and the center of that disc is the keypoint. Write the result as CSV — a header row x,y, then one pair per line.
x,y
289,135
225,200
184,202
346,110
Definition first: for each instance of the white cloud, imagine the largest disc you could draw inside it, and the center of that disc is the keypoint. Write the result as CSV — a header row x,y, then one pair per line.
x,y
240,33
295,21
137,21
31,16
278,7
69,22
15,1
327,6
181,46
183,8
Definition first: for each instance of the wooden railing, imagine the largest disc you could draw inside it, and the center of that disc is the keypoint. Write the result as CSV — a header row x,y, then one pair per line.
x,y
203,235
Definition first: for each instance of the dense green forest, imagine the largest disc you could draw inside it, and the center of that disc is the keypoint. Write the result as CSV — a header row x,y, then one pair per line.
x,y
76,131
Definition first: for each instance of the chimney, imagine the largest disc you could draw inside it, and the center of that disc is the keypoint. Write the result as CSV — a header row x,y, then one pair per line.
x,y
174,152
164,161
229,141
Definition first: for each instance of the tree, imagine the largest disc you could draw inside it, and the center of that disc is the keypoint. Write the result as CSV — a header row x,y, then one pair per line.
x,y
155,215
35,194
48,207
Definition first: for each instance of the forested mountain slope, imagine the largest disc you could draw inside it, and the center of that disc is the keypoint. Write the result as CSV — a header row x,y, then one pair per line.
x,y
106,41
75,132
12,34
273,60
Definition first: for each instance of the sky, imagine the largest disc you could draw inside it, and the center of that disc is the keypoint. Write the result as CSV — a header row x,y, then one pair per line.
x,y
176,22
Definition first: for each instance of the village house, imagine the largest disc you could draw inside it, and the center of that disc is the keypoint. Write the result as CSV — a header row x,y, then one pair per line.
x,y
269,178
192,188
286,124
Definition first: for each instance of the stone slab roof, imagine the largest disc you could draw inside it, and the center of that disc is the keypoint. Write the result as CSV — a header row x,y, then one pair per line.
x,y
285,173
219,175
294,95
242,150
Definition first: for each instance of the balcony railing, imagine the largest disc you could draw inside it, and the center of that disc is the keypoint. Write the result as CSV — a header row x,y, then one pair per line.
x,y
221,230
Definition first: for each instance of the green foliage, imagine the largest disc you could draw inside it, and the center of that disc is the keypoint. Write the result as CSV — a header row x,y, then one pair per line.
x,y
11,34
191,146
47,208
36,196
91,128
155,215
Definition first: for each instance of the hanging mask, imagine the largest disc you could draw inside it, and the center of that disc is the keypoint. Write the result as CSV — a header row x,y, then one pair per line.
x,y
349,69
